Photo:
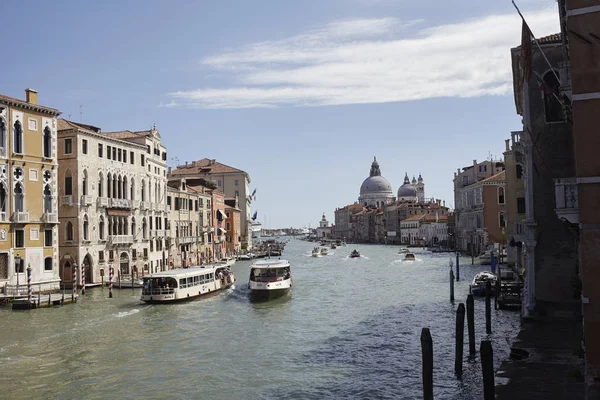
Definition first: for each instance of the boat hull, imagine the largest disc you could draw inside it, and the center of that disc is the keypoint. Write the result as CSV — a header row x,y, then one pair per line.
x,y
269,294
163,299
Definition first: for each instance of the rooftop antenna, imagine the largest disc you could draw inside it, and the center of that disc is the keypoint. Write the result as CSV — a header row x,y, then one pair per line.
x,y
175,160
70,116
81,113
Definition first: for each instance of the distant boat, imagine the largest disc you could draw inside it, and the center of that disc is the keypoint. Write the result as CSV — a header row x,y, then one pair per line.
x,y
409,257
316,252
480,280
354,254
324,251
402,250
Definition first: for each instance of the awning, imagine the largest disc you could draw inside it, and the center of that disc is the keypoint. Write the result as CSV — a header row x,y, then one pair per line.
x,y
221,230
224,216
118,213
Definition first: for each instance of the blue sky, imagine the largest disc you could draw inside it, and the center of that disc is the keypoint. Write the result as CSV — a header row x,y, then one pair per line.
x,y
300,94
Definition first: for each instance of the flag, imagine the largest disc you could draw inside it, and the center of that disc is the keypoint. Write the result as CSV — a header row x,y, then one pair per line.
x,y
255,215
253,194
526,51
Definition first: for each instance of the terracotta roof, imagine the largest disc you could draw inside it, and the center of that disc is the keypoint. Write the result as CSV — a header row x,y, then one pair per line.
x,y
417,217
499,177
64,125
22,103
205,166
127,134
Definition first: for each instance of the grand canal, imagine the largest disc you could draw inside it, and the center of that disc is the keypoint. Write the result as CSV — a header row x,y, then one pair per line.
x,y
349,329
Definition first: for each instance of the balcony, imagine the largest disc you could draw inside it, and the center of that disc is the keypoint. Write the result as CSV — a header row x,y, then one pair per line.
x,y
144,205
50,218
187,239
135,204
161,207
567,199
159,233
66,201
87,200
21,217
102,202
120,203
120,239
182,211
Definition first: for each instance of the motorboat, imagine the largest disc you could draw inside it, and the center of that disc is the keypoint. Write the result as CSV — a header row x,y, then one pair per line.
x,y
354,254
316,252
409,257
477,286
333,246
228,261
402,250
270,278
186,283
324,251
247,256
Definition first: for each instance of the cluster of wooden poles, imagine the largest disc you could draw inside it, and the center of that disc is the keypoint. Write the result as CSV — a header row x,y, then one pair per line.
x,y
485,348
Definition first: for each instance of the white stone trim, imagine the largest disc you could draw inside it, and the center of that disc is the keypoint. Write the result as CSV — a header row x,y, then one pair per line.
x,y
583,10
589,179
586,96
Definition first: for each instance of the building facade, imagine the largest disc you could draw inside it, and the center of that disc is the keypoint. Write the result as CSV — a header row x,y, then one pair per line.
x,y
324,230
514,161
28,193
219,218
233,239
112,201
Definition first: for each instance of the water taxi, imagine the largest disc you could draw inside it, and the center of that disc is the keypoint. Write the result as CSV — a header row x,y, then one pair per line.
x,y
480,280
186,283
324,251
354,254
270,278
409,257
402,250
316,252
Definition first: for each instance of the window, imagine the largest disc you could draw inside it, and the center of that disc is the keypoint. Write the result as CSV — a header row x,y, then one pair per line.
x,y
483,168
69,231
101,228
48,264
148,149
18,137
19,197
500,195
114,153
551,96
168,200
2,137
100,150
108,150
236,182
68,183
84,146
145,252
19,238
519,170
176,203
521,205
119,154
100,181
34,234
101,256
227,226
502,220
124,156
84,183
47,142
68,146
465,180
111,255
142,160
48,238
47,199
220,183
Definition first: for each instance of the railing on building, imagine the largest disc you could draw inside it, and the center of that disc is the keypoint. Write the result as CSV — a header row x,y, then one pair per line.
x,y
135,204
567,199
121,239
187,239
159,233
144,205
102,202
161,207
21,217
66,200
120,203
50,218
87,200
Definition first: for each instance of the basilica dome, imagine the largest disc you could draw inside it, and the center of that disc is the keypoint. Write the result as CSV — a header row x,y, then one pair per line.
x,y
375,190
375,184
407,191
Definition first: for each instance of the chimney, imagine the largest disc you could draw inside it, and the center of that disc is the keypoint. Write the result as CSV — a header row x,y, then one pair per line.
x,y
31,96
444,203
169,171
507,143
186,164
475,163
213,161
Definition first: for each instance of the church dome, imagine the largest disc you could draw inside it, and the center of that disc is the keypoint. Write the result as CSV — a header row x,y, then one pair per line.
x,y
407,189
375,183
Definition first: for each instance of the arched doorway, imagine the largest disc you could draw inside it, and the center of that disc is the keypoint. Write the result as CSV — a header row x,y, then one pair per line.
x,y
88,267
124,263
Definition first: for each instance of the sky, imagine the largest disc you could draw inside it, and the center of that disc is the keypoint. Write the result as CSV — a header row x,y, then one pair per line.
x,y
300,94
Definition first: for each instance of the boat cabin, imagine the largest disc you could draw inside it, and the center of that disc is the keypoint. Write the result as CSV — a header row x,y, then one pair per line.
x,y
270,271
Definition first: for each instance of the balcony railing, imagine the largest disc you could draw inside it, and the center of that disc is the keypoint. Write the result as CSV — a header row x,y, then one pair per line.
x,y
21,217
182,211
87,200
187,239
159,233
120,203
144,205
102,202
135,204
66,201
121,239
50,218
161,207
567,199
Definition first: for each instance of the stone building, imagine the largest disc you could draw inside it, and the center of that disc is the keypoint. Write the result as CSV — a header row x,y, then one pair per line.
x,y
233,226
231,181
28,192
218,217
112,201
345,220
324,230
514,161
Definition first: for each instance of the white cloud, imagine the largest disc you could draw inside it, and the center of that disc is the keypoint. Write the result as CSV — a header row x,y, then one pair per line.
x,y
370,61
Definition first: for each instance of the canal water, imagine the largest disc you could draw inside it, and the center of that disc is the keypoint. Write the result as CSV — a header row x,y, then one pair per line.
x,y
349,330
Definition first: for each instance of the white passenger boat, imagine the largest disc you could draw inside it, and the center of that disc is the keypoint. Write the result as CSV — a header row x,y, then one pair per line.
x,y
316,252
228,261
403,250
186,283
270,278
324,251
248,256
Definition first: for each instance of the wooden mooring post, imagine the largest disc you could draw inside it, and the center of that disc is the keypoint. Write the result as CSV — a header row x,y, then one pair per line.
x,y
460,339
451,285
488,307
427,356
487,368
471,324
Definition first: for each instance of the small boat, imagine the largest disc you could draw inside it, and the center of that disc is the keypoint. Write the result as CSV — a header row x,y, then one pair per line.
x,y
409,257
333,246
316,252
270,278
402,250
354,254
227,261
477,287
324,251
248,256
186,283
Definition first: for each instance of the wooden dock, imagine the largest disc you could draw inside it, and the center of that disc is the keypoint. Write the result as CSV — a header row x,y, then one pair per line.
x,y
20,302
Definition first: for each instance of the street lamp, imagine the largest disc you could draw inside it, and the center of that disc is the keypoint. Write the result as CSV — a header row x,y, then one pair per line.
x,y
17,269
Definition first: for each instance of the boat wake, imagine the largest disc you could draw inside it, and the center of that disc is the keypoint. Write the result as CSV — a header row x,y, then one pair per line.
x,y
124,314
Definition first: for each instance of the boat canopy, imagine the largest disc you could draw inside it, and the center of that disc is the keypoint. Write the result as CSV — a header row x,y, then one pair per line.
x,y
181,272
265,264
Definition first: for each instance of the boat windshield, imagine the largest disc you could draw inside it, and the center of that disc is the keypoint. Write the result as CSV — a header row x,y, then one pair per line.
x,y
269,274
156,286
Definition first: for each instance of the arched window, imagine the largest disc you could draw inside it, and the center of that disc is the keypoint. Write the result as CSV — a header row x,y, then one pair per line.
x,y
143,190
18,137
2,138
3,200
114,187
47,199
101,228
86,228
132,195
552,105
115,226
501,220
19,197
47,142
100,184
68,183
500,195
84,183
125,226
133,232
144,229
119,188
48,264
69,231
519,170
